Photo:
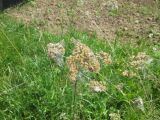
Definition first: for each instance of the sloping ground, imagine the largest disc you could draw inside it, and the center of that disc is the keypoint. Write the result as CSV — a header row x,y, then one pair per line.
x,y
35,88
131,20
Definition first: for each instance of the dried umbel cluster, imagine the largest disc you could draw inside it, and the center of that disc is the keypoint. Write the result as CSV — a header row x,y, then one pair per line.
x,y
82,58
73,68
56,52
105,57
140,60
97,86
138,102
115,116
120,87
128,73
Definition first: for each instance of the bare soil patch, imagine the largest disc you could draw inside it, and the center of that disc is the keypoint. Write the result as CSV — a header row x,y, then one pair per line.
x,y
132,19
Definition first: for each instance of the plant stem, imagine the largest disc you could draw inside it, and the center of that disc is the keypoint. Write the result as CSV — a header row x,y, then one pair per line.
x,y
74,100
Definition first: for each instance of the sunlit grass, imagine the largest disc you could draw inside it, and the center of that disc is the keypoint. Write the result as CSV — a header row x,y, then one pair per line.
x,y
33,87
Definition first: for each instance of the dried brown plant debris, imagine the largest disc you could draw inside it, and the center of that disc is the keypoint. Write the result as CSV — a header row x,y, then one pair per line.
x,y
140,60
105,57
115,116
56,52
138,102
82,58
128,73
97,86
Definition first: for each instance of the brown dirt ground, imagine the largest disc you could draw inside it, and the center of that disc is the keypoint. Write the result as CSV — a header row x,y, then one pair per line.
x,y
133,19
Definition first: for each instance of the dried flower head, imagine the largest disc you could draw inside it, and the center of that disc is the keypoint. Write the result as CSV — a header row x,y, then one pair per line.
x,y
114,116
119,87
141,60
73,69
105,57
138,102
97,86
56,52
85,57
63,116
82,58
127,73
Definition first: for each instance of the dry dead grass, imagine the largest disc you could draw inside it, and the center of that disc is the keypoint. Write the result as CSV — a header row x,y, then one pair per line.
x,y
134,19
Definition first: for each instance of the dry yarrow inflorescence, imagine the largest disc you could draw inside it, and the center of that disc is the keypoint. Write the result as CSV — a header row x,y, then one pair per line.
x,y
127,73
114,116
82,58
105,57
140,60
56,52
138,102
73,69
97,86
120,87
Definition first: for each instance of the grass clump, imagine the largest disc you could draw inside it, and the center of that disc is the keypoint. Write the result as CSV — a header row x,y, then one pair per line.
x,y
34,87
